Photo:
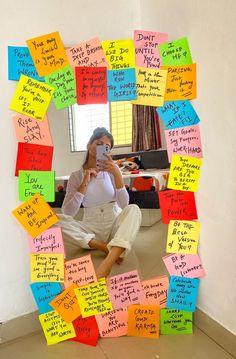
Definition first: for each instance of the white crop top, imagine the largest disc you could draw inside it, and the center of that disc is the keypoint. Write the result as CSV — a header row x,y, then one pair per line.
x,y
100,190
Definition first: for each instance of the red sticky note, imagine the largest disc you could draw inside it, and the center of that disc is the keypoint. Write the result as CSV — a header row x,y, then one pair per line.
x,y
86,330
91,85
176,204
31,157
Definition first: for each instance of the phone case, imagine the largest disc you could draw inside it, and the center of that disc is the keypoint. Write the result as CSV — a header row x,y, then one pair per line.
x,y
101,151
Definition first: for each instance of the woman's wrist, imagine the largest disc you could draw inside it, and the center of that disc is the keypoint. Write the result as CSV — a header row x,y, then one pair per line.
x,y
82,188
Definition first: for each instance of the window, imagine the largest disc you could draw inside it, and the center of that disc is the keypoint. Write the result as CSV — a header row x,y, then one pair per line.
x,y
116,117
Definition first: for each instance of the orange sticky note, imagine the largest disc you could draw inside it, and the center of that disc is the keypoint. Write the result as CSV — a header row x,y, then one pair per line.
x,y
29,130
66,304
113,324
48,53
155,291
35,215
181,82
143,321
80,271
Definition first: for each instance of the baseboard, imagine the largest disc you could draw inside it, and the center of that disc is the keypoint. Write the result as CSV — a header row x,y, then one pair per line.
x,y
19,327
215,331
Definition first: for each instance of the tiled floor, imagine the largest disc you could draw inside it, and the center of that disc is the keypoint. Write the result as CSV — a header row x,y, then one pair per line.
x,y
149,248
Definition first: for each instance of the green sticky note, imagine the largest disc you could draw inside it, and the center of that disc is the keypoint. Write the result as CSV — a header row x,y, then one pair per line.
x,y
64,85
175,53
174,321
32,182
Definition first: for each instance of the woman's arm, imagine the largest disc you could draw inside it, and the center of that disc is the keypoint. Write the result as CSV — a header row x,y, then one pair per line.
x,y
73,197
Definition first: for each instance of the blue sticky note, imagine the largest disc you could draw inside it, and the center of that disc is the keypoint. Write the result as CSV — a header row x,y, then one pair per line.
x,y
20,62
177,114
182,293
121,85
44,293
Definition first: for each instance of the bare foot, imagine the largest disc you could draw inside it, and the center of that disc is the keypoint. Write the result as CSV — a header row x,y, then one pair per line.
x,y
103,270
119,260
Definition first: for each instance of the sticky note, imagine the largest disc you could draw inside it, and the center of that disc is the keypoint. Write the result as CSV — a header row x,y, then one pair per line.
x,y
151,84
43,293
80,271
35,215
119,54
88,53
121,85
86,330
91,85
181,82
184,265
66,304
47,267
113,324
29,130
175,204
146,48
50,241
182,293
32,182
64,84
184,141
155,291
184,173
143,321
48,53
93,298
174,321
177,114
125,289
33,157
31,98
55,328
182,237
20,62
175,52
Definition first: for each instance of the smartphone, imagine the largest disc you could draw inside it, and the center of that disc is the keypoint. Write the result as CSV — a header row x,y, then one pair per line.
x,y
101,152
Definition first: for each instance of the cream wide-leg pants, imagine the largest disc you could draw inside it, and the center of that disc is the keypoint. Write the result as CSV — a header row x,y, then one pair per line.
x,y
107,223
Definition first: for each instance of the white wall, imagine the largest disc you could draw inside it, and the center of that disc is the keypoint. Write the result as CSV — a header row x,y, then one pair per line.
x,y
210,27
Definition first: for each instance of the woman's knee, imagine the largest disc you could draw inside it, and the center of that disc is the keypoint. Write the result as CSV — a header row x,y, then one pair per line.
x,y
134,209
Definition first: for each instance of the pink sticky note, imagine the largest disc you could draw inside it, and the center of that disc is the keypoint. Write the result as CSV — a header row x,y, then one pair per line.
x,y
80,271
88,53
185,265
29,130
125,289
50,241
155,291
113,324
146,48
184,141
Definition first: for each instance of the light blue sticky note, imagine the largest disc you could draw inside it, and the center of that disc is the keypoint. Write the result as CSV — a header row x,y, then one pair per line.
x,y
44,293
121,85
182,293
177,114
20,62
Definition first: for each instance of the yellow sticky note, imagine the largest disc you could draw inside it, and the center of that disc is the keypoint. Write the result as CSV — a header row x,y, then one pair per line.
x,y
47,267
183,237
66,304
48,53
35,215
120,54
184,173
55,328
151,85
181,82
32,98
143,321
94,298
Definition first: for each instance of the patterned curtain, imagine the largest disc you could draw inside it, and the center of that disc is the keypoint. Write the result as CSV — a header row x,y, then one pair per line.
x,y
146,129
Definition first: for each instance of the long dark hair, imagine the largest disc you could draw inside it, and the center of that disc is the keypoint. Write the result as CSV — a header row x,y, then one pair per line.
x,y
98,133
